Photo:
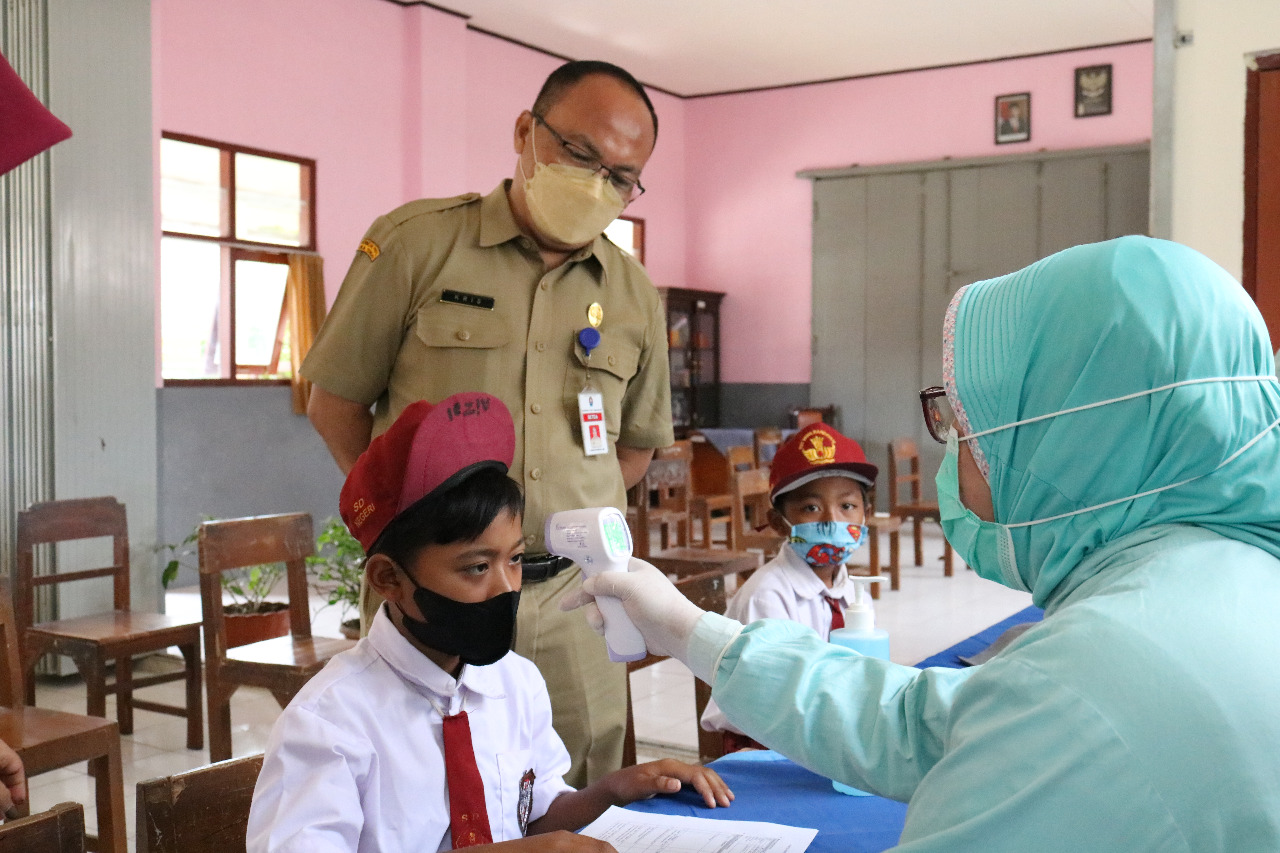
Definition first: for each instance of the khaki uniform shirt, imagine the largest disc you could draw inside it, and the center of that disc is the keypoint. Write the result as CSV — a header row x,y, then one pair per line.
x,y
391,339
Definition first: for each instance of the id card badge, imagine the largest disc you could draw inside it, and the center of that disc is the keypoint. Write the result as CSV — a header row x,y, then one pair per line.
x,y
595,438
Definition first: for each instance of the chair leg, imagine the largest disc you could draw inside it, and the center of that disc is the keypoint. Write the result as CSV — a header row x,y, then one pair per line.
x,y
894,555
109,796
219,721
917,536
873,560
283,697
629,739
93,671
946,558
124,694
195,705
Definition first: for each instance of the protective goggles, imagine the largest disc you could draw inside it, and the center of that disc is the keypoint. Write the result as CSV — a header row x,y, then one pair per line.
x,y
938,416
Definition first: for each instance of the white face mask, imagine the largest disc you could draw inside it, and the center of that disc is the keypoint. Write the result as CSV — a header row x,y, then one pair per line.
x,y
569,205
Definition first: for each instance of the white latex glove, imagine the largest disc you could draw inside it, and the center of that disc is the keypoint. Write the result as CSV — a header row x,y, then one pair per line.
x,y
662,613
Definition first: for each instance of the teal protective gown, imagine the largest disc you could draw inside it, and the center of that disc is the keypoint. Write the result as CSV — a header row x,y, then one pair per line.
x,y
1143,714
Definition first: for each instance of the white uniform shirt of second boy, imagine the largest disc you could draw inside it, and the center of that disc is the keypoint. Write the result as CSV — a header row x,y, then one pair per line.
x,y
783,588
356,761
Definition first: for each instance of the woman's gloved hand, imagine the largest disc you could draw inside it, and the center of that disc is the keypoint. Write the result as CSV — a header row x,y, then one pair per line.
x,y
661,612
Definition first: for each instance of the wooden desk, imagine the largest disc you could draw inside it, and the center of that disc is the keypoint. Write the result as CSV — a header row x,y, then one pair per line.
x,y
687,562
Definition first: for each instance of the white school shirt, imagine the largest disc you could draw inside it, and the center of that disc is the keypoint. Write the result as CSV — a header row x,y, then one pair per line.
x,y
786,587
356,761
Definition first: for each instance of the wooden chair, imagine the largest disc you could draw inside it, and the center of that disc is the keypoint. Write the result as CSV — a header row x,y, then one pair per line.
x,y
707,591
58,830
205,810
48,740
282,665
96,640
712,509
904,470
802,416
765,443
668,479
750,510
877,524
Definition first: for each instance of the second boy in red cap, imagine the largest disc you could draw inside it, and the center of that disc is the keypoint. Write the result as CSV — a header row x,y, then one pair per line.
x,y
818,486
431,733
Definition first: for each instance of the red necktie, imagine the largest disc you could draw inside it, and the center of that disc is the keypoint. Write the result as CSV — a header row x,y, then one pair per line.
x,y
468,817
837,615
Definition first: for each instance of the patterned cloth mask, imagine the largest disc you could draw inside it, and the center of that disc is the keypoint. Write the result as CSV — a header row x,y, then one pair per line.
x,y
826,543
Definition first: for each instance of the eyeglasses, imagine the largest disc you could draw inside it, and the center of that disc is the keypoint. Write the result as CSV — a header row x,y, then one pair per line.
x,y
938,416
628,188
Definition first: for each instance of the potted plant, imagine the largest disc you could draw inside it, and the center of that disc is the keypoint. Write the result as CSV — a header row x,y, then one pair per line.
x,y
249,617
338,569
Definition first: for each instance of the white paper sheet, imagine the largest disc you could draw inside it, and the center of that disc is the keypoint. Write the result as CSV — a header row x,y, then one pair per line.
x,y
639,832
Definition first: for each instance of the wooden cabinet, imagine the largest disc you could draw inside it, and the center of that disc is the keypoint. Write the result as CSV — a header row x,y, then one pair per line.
x,y
693,341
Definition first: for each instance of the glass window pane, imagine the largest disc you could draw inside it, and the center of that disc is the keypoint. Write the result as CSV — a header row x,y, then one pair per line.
x,y
259,298
269,206
191,193
190,290
623,234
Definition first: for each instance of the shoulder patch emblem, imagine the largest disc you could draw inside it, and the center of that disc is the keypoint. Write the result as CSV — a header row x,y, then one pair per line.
x,y
370,248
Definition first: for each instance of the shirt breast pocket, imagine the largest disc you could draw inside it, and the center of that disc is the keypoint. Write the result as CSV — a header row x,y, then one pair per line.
x,y
515,781
612,366
461,341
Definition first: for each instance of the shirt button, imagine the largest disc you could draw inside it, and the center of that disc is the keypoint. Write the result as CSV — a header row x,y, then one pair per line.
x,y
613,360
541,346
535,474
536,408
545,284
464,335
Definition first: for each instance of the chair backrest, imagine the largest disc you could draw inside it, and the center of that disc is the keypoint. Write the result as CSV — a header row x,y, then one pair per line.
x,y
236,543
739,458
58,830
765,443
64,521
12,690
670,479
199,811
751,490
679,449
904,468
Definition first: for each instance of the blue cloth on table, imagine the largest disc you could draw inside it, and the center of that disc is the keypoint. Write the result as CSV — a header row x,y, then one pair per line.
x,y
979,641
787,793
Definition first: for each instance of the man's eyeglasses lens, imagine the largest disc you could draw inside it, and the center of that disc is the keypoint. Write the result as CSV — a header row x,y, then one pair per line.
x,y
938,417
628,188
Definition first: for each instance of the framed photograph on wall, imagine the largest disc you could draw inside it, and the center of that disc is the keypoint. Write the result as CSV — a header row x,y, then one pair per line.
x,y
1093,91
1013,118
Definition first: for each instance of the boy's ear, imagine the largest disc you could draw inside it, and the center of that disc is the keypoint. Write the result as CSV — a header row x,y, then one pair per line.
x,y
383,576
777,523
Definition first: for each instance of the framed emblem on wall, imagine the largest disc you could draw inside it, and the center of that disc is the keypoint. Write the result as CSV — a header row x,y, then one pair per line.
x,y
1093,91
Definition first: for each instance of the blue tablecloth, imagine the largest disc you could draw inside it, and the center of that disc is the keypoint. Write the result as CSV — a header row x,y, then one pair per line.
x,y
771,788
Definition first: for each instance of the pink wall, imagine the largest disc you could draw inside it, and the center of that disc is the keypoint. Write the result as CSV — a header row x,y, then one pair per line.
x,y
394,103
748,220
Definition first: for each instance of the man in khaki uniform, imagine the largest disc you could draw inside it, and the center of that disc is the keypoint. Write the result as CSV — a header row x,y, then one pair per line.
x,y
492,294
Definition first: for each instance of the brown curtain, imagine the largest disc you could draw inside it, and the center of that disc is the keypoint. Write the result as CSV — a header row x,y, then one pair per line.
x,y
304,291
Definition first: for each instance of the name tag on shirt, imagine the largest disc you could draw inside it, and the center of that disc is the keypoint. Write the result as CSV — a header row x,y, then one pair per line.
x,y
595,437
475,300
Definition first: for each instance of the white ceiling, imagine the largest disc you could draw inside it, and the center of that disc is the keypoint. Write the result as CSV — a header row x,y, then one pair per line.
x,y
698,47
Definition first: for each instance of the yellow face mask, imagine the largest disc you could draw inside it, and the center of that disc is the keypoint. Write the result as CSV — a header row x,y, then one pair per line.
x,y
569,205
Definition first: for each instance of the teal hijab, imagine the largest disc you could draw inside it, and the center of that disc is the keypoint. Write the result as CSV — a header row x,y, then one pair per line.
x,y
1094,323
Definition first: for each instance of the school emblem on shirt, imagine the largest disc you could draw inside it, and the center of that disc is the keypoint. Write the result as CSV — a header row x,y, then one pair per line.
x,y
819,447
370,248
525,804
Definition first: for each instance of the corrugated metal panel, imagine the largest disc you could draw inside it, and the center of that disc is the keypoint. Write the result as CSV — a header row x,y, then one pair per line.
x,y
26,404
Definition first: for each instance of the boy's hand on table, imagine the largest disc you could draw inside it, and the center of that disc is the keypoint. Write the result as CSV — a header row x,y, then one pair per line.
x,y
13,782
668,776
560,841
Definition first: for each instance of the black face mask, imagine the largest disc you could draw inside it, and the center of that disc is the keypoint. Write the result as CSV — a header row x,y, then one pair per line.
x,y
479,633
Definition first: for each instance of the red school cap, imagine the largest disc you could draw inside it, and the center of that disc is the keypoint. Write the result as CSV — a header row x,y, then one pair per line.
x,y
429,447
818,450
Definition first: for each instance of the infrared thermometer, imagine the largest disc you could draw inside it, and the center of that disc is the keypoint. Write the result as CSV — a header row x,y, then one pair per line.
x,y
598,540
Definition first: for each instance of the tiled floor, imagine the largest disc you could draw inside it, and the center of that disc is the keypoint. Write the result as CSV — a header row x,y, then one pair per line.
x,y
929,613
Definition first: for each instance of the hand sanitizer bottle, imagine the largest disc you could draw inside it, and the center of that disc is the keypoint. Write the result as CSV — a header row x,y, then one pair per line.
x,y
860,632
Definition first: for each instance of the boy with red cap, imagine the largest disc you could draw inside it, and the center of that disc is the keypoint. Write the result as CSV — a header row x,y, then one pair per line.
x,y
818,486
431,734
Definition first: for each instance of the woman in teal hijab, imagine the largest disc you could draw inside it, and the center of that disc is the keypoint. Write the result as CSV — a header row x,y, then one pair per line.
x,y
1116,451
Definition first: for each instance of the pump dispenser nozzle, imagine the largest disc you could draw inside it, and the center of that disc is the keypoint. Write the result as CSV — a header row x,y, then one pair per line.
x,y
859,632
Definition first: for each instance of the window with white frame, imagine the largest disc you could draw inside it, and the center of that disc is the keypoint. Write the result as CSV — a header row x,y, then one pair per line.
x,y
230,215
